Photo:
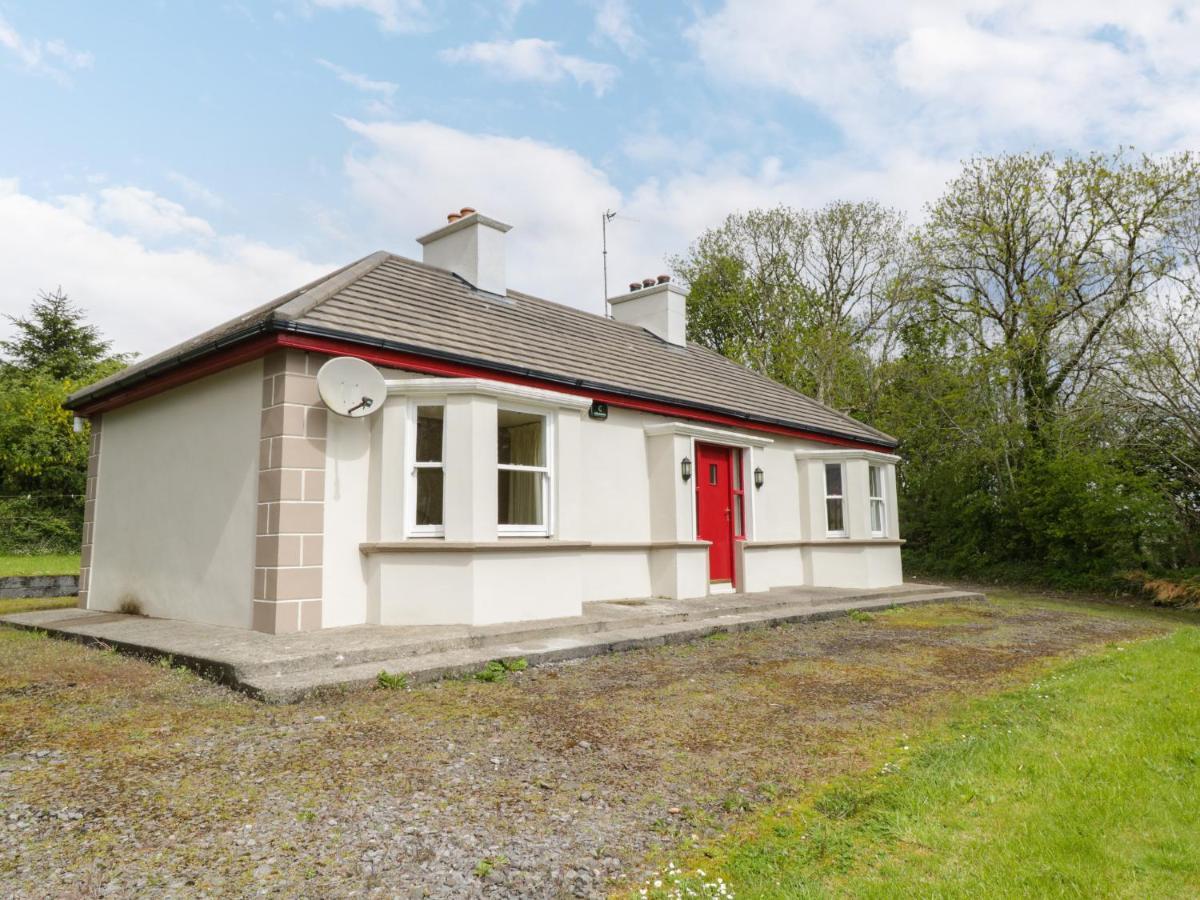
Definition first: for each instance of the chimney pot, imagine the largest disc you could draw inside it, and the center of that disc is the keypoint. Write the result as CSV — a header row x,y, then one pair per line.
x,y
663,279
453,217
466,211
657,305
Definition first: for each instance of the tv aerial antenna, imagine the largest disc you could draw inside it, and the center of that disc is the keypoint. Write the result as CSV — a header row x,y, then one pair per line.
x,y
605,217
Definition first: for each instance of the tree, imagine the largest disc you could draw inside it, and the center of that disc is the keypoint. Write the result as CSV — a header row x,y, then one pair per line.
x,y
53,339
1035,346
1037,261
43,460
808,298
1157,383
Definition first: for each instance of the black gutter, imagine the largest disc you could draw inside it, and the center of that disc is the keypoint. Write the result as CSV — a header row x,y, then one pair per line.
x,y
268,326
85,397
576,383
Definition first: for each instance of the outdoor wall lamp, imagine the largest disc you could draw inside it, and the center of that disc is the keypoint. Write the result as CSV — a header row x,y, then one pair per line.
x,y
685,469
758,477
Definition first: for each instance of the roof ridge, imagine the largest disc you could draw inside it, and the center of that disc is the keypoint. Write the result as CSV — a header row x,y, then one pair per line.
x,y
253,316
313,294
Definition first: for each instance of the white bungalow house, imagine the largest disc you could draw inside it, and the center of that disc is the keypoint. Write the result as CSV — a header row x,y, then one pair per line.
x,y
529,457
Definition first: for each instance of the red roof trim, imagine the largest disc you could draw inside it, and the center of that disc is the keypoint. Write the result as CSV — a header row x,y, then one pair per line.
x,y
190,371
416,363
264,344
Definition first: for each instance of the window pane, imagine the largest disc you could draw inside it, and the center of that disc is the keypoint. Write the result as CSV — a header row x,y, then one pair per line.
x,y
521,440
739,523
712,473
737,470
429,497
834,517
877,516
520,501
429,434
833,479
876,481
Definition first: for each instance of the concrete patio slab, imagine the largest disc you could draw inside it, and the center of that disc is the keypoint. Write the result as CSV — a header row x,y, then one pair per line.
x,y
284,668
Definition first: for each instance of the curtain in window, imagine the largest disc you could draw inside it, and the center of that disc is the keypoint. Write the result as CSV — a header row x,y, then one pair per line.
x,y
521,492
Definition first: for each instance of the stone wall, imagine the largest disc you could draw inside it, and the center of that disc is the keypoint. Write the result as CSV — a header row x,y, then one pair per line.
x,y
14,587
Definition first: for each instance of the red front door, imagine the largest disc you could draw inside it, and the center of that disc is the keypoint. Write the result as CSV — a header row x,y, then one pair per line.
x,y
716,514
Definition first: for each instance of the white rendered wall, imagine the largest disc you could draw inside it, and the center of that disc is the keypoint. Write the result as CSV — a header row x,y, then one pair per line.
x,y
175,504
854,566
348,484
615,487
615,478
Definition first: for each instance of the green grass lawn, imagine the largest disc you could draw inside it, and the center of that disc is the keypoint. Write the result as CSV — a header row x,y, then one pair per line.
x,y
1085,783
51,564
28,604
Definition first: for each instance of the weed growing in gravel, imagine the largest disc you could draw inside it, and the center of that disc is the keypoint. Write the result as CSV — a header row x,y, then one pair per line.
x,y
485,866
735,803
859,616
497,669
392,682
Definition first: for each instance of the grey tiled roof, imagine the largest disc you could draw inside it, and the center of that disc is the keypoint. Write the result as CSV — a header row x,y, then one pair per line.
x,y
390,300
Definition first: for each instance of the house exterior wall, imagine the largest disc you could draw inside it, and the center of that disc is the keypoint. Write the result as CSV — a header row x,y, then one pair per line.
x,y
89,512
260,510
170,525
623,520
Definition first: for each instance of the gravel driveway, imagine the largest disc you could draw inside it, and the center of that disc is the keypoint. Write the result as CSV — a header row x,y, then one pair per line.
x,y
121,777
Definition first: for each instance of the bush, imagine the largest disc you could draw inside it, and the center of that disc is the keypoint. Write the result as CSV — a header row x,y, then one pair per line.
x,y
32,526
1177,589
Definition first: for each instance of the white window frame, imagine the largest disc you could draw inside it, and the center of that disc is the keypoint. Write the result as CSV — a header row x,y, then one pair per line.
x,y
880,498
841,498
412,529
546,529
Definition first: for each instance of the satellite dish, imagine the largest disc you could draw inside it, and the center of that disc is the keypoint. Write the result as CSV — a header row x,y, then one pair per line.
x,y
351,387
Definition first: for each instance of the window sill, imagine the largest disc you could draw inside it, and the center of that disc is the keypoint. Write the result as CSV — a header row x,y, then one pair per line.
x,y
444,546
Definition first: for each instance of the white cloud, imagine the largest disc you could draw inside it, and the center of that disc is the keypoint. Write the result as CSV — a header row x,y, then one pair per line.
x,y
413,173
535,59
144,298
385,89
615,22
400,16
977,75
194,190
145,214
47,57
509,11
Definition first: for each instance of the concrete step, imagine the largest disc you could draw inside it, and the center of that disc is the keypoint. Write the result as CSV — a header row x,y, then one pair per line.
x,y
479,639
284,686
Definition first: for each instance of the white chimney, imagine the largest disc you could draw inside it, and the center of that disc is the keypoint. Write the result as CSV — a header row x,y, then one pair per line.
x,y
472,247
656,305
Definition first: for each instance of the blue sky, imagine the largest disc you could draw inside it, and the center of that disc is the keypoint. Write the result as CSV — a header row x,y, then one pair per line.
x,y
172,163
